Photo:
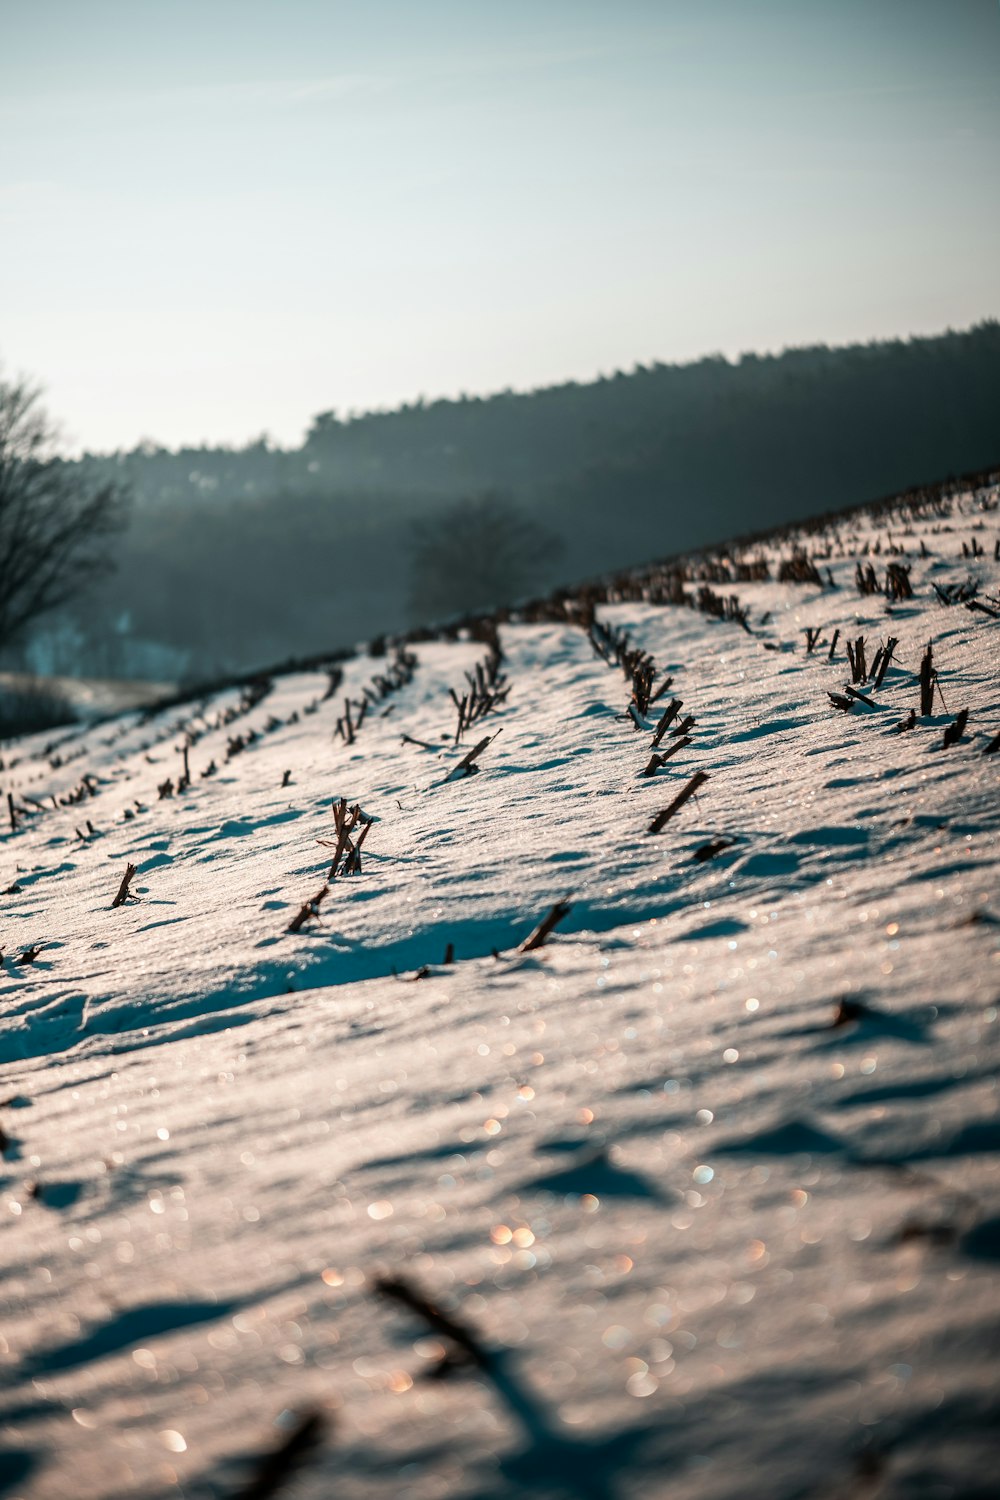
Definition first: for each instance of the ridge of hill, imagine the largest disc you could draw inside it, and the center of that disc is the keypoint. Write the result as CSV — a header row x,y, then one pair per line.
x,y
278,552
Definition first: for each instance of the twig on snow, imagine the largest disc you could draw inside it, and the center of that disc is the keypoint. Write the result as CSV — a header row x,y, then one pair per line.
x,y
278,1466
551,919
309,910
662,818
466,766
124,894
953,733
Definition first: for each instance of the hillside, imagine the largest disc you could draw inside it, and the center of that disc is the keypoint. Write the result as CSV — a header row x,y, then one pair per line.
x,y
274,552
702,1183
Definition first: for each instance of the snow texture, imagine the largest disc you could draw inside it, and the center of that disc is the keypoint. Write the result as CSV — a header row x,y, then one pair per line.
x,y
709,1181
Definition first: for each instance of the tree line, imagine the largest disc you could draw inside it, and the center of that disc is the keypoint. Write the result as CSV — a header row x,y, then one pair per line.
x,y
236,556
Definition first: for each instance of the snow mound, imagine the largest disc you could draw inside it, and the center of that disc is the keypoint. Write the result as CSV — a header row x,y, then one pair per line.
x,y
553,1057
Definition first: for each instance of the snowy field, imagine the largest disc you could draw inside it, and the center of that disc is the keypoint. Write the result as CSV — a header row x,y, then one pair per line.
x,y
699,1197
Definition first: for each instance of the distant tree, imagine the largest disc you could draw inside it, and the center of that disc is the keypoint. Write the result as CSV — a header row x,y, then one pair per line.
x,y
53,519
475,554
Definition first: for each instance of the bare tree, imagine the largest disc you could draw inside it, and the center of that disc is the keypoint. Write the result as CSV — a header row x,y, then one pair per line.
x,y
477,553
53,519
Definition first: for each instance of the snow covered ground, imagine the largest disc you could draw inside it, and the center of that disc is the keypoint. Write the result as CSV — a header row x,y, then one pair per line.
x,y
709,1181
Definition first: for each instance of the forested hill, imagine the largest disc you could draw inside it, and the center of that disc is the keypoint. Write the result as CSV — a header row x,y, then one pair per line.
x,y
279,552
850,422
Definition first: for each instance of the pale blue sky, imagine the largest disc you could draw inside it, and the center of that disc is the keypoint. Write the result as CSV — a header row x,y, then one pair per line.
x,y
218,217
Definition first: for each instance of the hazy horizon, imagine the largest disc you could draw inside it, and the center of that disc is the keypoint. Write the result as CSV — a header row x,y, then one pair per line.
x,y
297,441
220,220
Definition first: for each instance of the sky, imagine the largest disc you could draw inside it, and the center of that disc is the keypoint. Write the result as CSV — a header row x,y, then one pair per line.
x,y
220,217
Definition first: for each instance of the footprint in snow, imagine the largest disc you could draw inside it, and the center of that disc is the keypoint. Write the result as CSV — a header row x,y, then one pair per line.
x,y
832,837
982,1241
16,1465
724,927
977,1138
595,1172
854,1021
154,862
785,863
767,726
57,1195
234,828
789,1138
138,1325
